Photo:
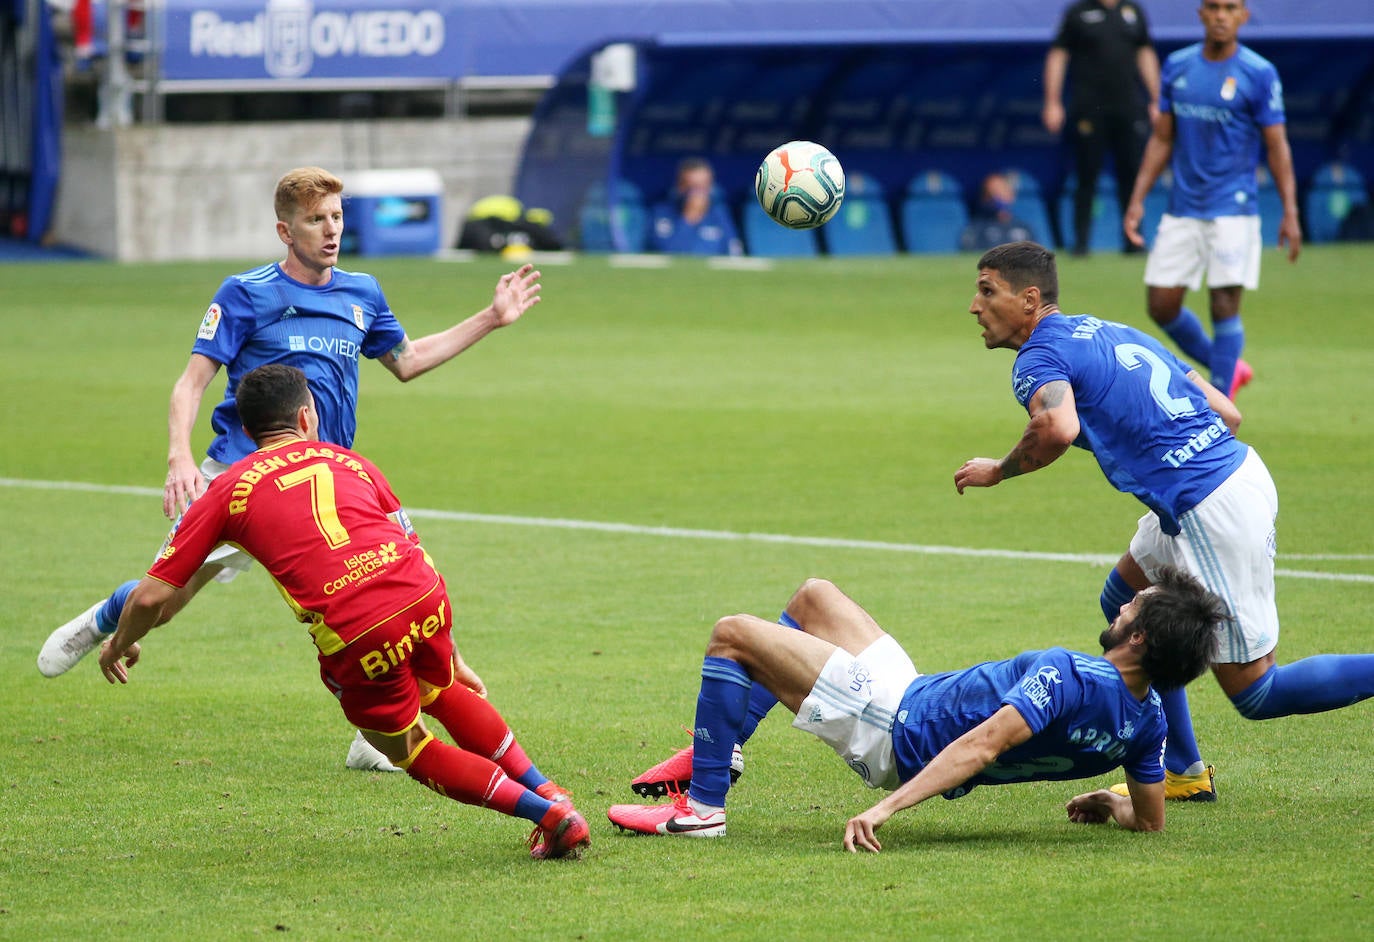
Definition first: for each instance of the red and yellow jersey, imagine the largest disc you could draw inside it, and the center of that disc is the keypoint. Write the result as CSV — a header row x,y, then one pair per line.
x,y
317,517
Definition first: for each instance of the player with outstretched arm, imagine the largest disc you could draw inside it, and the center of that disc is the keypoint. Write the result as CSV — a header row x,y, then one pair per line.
x,y
1042,715
323,521
1165,435
307,312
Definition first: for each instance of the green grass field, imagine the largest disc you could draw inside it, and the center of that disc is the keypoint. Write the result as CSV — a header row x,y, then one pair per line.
x,y
828,400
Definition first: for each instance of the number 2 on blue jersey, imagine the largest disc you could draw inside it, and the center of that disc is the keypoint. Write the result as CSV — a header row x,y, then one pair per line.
x,y
1132,356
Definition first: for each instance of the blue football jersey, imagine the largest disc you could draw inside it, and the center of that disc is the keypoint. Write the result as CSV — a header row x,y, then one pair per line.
x,y
1084,720
1146,423
1220,110
714,235
264,316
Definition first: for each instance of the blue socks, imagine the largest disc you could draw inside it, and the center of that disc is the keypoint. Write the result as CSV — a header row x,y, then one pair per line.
x,y
721,707
1312,685
1219,353
107,615
531,807
1115,593
1228,342
1187,331
1180,747
760,700
532,778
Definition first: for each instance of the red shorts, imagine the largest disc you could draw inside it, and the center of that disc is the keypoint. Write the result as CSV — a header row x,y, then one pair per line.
x,y
376,676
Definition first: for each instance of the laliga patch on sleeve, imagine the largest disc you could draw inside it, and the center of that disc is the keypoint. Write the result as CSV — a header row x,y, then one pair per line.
x,y
209,326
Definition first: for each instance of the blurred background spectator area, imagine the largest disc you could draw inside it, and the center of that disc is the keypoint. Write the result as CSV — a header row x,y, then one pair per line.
x,y
609,100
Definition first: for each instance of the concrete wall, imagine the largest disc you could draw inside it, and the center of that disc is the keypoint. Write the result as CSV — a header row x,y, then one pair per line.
x,y
180,192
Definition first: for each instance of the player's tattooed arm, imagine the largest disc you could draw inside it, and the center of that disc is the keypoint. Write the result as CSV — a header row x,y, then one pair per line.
x,y
1052,428
399,350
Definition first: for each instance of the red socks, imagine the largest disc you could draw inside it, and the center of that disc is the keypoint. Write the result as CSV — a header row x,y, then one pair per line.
x,y
466,777
478,727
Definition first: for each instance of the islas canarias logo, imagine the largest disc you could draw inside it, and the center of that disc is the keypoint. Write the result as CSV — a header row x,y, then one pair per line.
x,y
291,35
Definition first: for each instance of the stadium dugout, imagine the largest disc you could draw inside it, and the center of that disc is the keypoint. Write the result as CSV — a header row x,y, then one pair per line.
x,y
955,97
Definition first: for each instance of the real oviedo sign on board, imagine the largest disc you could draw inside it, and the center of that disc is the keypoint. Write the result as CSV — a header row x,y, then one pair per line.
x,y
299,39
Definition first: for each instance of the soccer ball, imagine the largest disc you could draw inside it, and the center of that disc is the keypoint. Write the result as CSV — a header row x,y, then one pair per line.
x,y
800,185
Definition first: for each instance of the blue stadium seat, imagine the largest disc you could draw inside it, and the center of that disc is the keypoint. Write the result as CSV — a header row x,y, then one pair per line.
x,y
617,224
1029,206
933,213
1336,189
1104,235
764,237
1270,207
863,226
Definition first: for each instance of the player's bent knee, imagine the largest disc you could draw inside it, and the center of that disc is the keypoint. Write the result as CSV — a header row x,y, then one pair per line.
x,y
1253,712
741,638
1256,702
726,636
1256,708
811,596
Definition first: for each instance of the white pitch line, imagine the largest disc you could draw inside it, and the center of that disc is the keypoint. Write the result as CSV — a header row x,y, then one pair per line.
x,y
558,523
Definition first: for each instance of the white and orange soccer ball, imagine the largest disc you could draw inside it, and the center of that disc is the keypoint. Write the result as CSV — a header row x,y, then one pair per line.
x,y
800,185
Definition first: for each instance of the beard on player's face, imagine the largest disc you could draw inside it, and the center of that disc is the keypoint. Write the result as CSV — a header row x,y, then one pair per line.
x,y
1115,634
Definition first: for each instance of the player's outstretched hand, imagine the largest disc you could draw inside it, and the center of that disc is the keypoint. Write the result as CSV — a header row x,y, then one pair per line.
x,y
516,293
861,831
978,472
1091,808
116,666
184,484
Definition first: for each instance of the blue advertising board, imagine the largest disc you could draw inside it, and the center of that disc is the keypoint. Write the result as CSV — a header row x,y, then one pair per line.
x,y
338,42
342,42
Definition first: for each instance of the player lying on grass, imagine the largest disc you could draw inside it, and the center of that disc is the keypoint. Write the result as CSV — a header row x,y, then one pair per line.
x,y
1042,715
326,525
1165,435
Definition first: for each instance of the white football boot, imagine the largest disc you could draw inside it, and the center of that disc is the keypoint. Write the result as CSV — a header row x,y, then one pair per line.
x,y
70,643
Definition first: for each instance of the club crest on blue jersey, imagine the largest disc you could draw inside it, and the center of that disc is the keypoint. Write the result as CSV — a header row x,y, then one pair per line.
x,y
358,317
1037,687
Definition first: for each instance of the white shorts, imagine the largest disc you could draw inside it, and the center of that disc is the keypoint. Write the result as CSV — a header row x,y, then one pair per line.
x,y
852,706
1227,542
233,559
1227,249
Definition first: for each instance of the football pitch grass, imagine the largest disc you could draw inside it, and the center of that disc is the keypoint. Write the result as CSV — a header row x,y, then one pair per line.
x,y
645,452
